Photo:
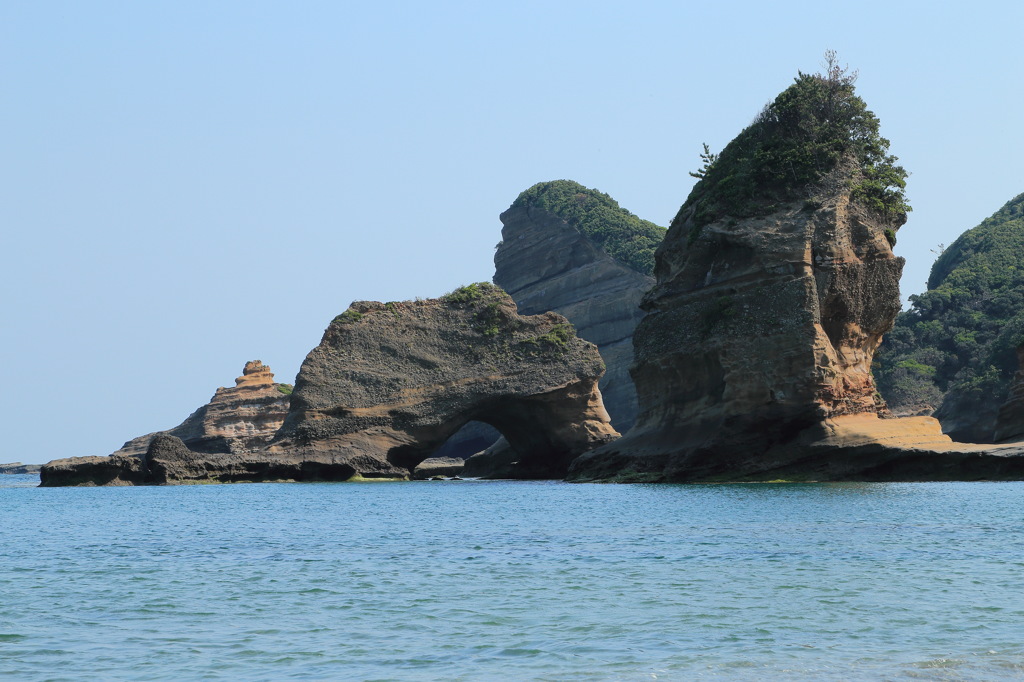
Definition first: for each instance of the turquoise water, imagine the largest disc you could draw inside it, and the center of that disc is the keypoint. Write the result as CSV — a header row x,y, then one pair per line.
x,y
484,580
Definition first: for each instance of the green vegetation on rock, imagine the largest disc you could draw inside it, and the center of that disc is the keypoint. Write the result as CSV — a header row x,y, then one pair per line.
x,y
621,235
794,143
957,342
349,316
285,388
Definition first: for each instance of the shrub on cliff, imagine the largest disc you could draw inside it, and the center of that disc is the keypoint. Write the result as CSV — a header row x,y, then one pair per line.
x,y
957,342
621,234
794,142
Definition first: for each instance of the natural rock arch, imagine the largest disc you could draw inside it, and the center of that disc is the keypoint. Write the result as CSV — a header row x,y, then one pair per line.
x,y
390,383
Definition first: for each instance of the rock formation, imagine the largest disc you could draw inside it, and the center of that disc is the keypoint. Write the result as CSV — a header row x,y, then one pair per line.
x,y
19,468
552,257
1010,421
243,418
774,287
388,384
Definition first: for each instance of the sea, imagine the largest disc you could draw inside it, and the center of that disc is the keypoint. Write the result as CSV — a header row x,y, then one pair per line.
x,y
492,580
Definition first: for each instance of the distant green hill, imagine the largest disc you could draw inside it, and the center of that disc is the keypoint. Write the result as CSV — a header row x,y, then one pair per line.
x,y
621,234
955,348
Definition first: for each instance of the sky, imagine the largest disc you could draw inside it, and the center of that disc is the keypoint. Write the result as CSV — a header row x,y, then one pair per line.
x,y
185,186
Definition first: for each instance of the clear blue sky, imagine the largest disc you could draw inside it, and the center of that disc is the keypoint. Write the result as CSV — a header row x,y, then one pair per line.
x,y
190,185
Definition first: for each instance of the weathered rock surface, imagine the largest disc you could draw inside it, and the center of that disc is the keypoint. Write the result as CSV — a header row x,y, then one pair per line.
x,y
243,418
759,329
19,468
390,383
1010,422
545,263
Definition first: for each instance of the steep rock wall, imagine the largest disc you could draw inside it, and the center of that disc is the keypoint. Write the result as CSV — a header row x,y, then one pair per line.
x,y
545,264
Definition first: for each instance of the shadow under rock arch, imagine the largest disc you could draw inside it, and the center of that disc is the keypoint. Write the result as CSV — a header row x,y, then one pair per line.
x,y
529,426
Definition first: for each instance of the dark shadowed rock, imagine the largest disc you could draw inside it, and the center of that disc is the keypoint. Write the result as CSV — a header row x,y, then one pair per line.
x,y
1010,421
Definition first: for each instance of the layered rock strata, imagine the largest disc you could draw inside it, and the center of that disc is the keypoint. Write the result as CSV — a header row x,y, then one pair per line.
x,y
243,418
390,383
545,263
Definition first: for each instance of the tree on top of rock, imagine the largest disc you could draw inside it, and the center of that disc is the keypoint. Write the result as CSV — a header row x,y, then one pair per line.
x,y
806,133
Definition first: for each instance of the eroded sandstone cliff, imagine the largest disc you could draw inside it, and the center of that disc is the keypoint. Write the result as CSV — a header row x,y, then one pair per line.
x,y
548,259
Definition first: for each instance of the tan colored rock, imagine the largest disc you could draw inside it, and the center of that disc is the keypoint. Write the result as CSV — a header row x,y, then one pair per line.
x,y
243,418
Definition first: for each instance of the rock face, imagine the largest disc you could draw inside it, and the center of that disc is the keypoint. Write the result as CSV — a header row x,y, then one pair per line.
x,y
546,262
1010,422
757,330
240,419
390,383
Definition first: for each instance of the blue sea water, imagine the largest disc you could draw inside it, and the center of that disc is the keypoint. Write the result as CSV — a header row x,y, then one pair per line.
x,y
512,580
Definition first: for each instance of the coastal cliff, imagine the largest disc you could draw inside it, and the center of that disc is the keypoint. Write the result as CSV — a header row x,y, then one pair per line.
x,y
775,285
574,251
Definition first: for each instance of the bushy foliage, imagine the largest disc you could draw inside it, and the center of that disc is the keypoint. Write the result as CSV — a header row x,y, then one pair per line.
x,y
349,316
961,335
622,235
474,293
794,142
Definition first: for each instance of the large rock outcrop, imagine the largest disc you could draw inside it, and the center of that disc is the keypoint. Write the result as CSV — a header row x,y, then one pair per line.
x,y
390,383
774,287
243,418
574,251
